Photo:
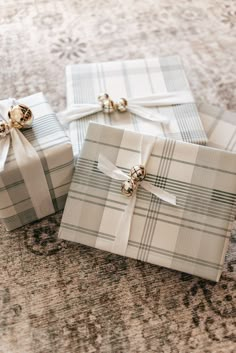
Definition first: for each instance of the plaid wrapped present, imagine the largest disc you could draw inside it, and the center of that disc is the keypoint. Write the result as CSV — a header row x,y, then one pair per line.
x,y
220,126
55,153
131,79
191,237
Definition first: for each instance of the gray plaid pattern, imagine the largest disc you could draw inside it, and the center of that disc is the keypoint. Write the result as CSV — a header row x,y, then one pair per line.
x,y
55,151
192,237
133,78
220,126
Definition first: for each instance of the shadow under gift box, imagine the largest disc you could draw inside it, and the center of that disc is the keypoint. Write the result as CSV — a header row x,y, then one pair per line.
x,y
191,237
55,152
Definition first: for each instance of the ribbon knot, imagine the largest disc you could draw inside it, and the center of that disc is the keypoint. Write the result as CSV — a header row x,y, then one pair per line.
x,y
132,181
135,177
135,106
19,116
109,106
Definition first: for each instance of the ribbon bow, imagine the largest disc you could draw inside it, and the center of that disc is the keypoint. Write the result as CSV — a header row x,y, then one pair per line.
x,y
133,105
14,117
129,187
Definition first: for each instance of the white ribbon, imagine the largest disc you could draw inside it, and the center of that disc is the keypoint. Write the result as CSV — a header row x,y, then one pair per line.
x,y
109,169
135,106
29,165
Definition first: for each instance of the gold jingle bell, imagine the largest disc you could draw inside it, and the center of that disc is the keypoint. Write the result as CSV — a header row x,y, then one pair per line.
x,y
128,187
137,173
107,104
21,116
121,105
4,128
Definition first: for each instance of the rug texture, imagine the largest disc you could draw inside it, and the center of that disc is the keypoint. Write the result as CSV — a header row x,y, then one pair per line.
x,y
58,297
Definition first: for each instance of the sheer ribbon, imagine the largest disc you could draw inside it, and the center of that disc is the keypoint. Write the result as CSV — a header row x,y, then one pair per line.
x,y
136,106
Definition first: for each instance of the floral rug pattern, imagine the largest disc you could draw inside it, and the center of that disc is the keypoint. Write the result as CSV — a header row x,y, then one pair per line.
x,y
60,297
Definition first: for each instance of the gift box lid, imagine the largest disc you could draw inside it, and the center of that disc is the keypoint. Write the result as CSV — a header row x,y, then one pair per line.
x,y
191,237
131,79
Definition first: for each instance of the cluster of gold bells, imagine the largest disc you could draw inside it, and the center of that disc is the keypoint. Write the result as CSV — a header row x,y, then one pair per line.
x,y
136,176
109,106
20,117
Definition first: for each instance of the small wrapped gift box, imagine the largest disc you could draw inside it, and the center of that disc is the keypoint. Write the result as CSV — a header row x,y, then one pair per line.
x,y
159,77
191,236
220,126
36,164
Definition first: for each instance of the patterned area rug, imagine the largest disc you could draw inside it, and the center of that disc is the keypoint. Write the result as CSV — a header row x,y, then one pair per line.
x,y
58,297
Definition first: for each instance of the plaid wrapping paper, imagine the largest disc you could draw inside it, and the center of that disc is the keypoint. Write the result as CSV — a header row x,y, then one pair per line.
x,y
55,151
220,126
133,78
192,237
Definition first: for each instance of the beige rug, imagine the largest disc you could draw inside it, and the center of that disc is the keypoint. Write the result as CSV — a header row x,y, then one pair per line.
x,y
57,297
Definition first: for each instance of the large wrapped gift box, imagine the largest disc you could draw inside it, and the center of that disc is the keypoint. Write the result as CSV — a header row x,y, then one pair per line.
x,y
55,152
191,237
220,126
131,79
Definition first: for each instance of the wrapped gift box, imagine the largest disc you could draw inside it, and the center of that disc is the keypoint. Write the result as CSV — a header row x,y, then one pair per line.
x,y
131,79
191,237
220,126
55,152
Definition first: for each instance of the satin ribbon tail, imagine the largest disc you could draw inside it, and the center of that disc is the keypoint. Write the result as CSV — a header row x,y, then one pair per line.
x,y
109,169
78,111
4,149
160,193
163,99
147,115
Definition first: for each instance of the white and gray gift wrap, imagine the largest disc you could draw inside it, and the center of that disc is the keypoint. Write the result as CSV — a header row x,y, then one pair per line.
x,y
220,126
191,237
37,172
131,79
